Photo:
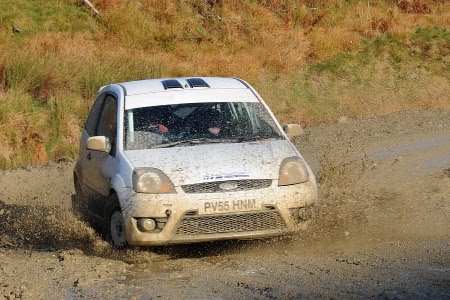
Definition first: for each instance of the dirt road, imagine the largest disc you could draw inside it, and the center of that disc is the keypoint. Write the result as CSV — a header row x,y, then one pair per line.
x,y
381,230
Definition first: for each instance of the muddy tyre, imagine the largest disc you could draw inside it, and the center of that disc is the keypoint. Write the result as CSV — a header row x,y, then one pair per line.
x,y
114,225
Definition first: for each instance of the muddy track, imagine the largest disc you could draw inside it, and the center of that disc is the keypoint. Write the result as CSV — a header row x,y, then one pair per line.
x,y
381,229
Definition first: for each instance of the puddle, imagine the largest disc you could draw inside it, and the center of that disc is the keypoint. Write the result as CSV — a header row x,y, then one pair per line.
x,y
414,147
438,269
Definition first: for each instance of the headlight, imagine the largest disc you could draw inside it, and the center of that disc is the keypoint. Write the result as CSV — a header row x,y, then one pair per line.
x,y
152,181
292,171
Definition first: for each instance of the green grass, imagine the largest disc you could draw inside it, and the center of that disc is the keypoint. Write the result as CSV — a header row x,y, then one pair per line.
x,y
38,16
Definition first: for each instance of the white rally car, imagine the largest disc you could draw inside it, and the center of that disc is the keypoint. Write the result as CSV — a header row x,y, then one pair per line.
x,y
187,160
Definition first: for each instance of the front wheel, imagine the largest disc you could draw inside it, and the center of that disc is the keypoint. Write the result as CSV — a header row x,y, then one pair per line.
x,y
117,230
115,227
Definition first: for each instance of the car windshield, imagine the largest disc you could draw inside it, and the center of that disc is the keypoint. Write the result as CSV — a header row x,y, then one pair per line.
x,y
197,123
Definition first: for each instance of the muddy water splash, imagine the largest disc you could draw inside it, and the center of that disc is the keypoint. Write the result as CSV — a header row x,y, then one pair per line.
x,y
54,228
346,200
340,194
43,227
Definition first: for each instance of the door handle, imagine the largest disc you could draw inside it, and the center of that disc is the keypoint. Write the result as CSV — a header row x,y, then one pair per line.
x,y
89,156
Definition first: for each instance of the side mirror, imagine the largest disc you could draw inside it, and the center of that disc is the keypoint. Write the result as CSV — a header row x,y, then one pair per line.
x,y
293,130
99,143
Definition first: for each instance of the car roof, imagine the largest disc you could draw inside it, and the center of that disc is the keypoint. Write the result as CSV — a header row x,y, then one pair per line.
x,y
181,83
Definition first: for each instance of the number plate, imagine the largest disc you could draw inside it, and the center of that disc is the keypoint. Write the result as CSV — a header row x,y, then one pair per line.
x,y
227,206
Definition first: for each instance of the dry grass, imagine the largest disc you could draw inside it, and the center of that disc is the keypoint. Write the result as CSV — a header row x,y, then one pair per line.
x,y
325,47
312,60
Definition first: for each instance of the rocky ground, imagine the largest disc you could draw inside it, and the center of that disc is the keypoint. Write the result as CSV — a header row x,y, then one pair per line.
x,y
381,229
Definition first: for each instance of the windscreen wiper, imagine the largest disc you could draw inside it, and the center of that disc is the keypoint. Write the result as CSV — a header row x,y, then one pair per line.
x,y
189,142
256,138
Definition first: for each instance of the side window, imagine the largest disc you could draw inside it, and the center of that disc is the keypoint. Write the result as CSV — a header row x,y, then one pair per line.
x,y
92,120
107,124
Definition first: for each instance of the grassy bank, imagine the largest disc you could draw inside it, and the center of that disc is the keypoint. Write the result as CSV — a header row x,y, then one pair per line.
x,y
313,61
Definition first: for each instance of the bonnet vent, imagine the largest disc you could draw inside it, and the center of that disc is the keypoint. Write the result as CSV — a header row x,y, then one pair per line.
x,y
171,84
197,82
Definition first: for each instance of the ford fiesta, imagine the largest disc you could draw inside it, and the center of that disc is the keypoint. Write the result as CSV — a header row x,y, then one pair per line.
x,y
187,160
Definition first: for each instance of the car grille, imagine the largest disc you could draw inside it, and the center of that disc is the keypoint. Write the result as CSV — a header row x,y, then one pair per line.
x,y
269,220
213,187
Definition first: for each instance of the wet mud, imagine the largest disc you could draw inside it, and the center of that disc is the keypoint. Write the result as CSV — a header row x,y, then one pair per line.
x,y
381,230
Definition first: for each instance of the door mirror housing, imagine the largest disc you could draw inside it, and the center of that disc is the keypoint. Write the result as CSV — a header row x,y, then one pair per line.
x,y
293,130
98,143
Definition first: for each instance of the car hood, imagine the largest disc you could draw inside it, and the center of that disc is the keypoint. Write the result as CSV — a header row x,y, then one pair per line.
x,y
216,162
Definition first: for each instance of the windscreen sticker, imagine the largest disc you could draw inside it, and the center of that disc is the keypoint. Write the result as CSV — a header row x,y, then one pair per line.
x,y
226,176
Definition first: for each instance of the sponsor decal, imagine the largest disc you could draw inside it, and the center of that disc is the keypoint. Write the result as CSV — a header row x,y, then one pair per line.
x,y
225,176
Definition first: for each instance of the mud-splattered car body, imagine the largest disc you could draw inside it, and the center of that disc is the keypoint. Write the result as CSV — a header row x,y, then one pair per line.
x,y
176,179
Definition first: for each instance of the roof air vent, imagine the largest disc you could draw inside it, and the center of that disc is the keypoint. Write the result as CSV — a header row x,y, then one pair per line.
x,y
171,84
196,82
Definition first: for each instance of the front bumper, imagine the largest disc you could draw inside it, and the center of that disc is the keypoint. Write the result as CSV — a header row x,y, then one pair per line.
x,y
181,217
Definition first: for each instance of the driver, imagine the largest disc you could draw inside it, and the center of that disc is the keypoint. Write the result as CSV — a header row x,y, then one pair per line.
x,y
213,121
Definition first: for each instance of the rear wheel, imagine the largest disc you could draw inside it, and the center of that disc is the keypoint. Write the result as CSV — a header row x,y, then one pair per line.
x,y
79,205
114,224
